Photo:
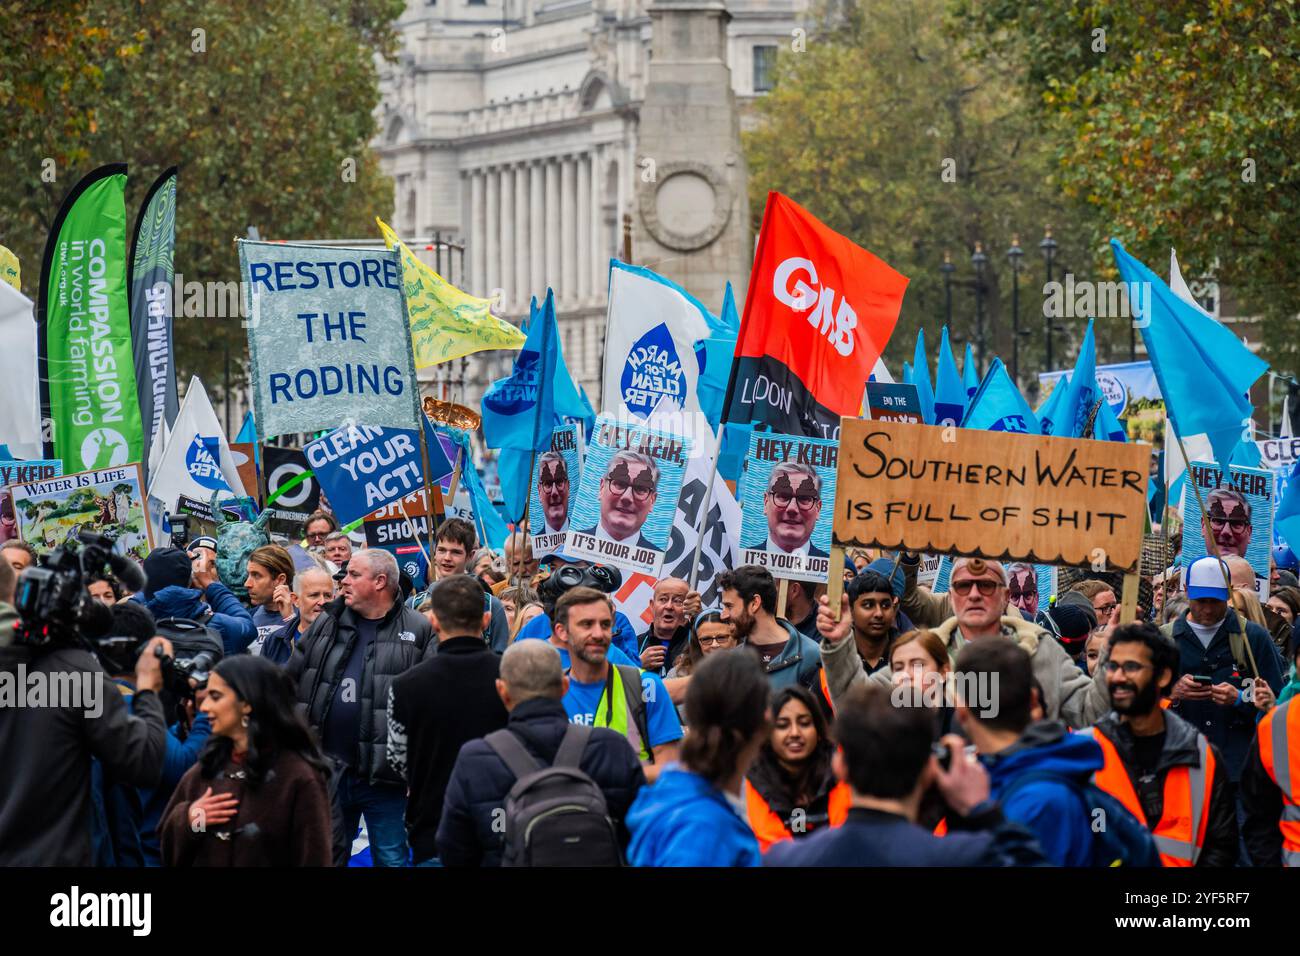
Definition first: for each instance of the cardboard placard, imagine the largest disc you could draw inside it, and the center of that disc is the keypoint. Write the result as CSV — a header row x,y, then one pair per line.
x,y
997,495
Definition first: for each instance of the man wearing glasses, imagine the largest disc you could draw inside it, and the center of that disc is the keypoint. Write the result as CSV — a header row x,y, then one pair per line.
x,y
553,490
979,596
792,504
1229,521
1023,591
627,496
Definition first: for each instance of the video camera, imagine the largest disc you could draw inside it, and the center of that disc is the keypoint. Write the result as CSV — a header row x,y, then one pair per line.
x,y
51,597
599,576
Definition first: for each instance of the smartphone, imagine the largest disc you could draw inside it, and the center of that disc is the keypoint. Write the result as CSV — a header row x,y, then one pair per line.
x,y
1203,680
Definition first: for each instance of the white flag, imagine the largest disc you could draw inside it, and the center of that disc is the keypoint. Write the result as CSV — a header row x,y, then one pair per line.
x,y
197,459
652,327
20,404
1179,287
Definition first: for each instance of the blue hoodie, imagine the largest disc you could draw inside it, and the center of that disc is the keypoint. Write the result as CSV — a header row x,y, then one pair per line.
x,y
229,618
1054,809
683,820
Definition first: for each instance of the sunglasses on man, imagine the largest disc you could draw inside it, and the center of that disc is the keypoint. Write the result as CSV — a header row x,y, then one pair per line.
x,y
986,586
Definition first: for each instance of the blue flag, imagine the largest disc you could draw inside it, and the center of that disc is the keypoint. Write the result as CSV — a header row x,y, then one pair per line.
x,y
907,373
519,410
1286,520
1082,393
1106,427
1048,411
1204,371
921,378
970,376
714,355
998,405
488,523
949,392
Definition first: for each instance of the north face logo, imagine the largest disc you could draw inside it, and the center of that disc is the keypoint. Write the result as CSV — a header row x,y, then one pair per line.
x,y
407,636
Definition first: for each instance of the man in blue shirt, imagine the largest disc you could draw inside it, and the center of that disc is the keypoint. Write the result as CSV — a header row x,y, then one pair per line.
x,y
602,694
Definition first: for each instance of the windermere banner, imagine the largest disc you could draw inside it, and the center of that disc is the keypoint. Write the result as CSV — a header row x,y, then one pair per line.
x,y
152,272
994,495
88,387
328,338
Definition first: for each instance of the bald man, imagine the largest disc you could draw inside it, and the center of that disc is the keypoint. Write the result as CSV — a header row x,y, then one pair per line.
x,y
674,605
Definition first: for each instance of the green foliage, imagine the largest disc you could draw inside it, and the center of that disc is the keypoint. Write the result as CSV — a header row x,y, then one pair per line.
x,y
861,128
260,111
1162,126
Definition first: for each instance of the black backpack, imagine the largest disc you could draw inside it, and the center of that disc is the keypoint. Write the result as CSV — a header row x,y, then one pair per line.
x,y
556,815
190,638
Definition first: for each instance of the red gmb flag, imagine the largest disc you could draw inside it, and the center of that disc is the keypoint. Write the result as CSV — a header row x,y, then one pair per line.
x,y
819,312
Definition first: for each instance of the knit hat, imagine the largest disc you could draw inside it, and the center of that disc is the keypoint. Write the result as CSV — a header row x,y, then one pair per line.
x,y
165,567
891,571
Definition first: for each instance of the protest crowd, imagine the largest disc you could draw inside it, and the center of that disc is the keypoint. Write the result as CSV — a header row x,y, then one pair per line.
x,y
885,623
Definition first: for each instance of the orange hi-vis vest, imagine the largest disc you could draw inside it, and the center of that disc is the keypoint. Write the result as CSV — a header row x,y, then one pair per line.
x,y
1279,736
770,829
1180,834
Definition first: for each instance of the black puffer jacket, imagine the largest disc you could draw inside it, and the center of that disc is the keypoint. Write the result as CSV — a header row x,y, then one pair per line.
x,y
403,639
1180,750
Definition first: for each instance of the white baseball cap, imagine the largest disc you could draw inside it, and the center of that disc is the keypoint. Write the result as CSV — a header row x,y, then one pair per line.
x,y
1207,578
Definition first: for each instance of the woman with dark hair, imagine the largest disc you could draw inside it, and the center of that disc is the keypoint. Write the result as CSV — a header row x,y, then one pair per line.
x,y
693,814
790,790
709,633
257,796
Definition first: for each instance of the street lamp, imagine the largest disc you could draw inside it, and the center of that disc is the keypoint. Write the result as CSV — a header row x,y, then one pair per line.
x,y
978,259
1048,245
1014,255
947,268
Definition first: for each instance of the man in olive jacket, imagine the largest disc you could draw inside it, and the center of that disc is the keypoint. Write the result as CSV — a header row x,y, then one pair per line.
x,y
344,666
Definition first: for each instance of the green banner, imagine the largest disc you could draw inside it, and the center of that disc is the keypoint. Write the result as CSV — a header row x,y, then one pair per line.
x,y
88,383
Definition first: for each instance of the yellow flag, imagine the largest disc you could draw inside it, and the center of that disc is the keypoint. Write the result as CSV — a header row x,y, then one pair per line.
x,y
446,323
9,269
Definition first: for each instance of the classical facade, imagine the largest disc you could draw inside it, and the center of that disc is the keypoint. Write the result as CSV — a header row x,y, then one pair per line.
x,y
529,131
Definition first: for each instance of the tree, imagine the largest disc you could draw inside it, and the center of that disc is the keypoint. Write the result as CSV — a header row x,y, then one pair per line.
x,y
894,131
1178,123
268,110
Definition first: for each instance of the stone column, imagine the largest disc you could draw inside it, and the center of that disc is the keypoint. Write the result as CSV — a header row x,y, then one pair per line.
x,y
552,276
582,290
477,234
492,232
568,229
536,229
599,263
522,288
506,245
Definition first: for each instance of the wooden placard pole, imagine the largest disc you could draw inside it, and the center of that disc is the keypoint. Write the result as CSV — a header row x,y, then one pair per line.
x,y
782,596
1128,601
835,579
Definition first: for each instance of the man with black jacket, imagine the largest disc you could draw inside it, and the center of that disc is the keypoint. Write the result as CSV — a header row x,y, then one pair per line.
x,y
441,704
531,686
885,756
343,667
1158,763
45,751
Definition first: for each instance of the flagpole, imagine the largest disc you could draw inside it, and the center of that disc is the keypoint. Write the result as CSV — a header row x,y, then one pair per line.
x,y
708,498
528,500
428,493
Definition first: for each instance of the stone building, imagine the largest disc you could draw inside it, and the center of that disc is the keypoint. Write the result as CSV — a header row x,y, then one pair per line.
x,y
529,130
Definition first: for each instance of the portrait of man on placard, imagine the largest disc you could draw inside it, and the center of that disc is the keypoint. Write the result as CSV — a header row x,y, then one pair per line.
x,y
627,495
1022,589
553,489
1228,520
792,504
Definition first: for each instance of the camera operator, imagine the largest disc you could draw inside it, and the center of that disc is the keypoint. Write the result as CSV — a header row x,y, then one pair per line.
x,y
186,587
46,748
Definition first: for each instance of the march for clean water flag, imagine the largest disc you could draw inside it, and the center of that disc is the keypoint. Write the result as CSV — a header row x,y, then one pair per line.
x,y
519,410
196,461
1133,394
446,323
650,335
998,405
361,468
949,392
328,338
1205,372
149,283
88,387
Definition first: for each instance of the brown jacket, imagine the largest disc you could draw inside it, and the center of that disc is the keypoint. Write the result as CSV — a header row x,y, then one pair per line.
x,y
283,822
